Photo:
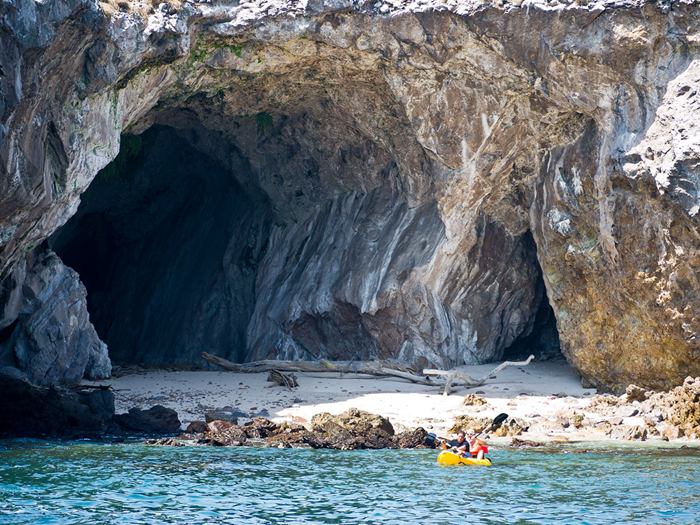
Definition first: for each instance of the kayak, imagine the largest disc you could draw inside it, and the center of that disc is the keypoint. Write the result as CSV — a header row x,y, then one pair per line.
x,y
450,458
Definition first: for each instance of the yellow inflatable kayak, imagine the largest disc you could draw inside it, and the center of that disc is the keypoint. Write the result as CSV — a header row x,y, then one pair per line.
x,y
450,458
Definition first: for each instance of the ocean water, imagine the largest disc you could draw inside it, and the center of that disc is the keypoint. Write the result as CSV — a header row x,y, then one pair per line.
x,y
94,483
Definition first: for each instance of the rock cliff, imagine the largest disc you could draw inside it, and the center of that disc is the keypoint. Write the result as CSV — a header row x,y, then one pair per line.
x,y
391,178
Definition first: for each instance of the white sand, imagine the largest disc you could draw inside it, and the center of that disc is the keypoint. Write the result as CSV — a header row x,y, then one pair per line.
x,y
535,392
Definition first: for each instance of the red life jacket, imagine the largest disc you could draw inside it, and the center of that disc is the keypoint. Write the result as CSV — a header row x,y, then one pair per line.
x,y
478,448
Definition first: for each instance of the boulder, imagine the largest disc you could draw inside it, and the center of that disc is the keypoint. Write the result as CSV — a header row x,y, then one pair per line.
x,y
353,420
417,438
511,427
226,435
196,427
295,438
465,423
219,426
260,428
635,393
474,400
156,420
31,410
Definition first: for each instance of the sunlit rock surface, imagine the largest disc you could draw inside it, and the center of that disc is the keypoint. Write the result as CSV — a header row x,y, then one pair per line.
x,y
414,169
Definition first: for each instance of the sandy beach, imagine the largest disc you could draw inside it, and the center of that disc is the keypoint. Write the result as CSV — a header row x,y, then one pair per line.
x,y
540,396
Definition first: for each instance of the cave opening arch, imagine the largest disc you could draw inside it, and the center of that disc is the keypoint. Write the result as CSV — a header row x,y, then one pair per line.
x,y
169,243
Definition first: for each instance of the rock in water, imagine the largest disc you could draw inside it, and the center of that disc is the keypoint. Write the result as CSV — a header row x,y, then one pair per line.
x,y
31,410
155,420
352,420
417,438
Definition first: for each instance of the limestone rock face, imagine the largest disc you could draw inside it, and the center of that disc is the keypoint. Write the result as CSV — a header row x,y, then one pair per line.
x,y
48,334
417,174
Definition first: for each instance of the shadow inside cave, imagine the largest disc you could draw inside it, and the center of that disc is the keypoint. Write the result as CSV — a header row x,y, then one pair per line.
x,y
169,245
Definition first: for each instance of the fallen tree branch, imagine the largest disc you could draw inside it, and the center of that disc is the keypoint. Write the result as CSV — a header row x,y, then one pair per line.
x,y
450,378
373,368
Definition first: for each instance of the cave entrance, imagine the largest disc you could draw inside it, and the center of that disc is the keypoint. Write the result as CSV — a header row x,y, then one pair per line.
x,y
156,234
261,245
542,340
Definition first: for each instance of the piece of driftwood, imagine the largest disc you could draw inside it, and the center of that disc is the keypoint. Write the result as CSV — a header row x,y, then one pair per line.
x,y
373,368
283,379
448,378
458,378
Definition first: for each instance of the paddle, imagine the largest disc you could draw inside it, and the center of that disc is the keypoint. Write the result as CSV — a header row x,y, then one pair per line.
x,y
497,422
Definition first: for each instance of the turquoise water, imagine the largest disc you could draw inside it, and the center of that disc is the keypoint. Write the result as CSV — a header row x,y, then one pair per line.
x,y
95,483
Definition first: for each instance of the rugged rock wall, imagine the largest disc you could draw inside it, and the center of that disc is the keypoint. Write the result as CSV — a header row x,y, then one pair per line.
x,y
409,153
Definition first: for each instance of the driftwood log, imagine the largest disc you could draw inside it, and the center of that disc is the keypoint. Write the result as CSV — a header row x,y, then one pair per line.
x,y
458,378
443,378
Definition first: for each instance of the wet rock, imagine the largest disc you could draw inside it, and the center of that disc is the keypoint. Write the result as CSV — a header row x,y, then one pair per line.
x,y
31,410
260,428
353,429
219,425
156,420
417,438
526,443
165,442
224,434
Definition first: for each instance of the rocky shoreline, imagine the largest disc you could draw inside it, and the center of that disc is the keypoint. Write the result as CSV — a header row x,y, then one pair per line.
x,y
351,430
637,415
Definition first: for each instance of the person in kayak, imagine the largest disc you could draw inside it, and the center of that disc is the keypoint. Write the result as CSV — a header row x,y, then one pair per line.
x,y
477,447
459,445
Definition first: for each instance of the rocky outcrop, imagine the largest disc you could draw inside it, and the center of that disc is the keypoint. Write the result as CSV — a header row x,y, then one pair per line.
x,y
155,420
351,430
30,410
669,415
46,330
421,173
